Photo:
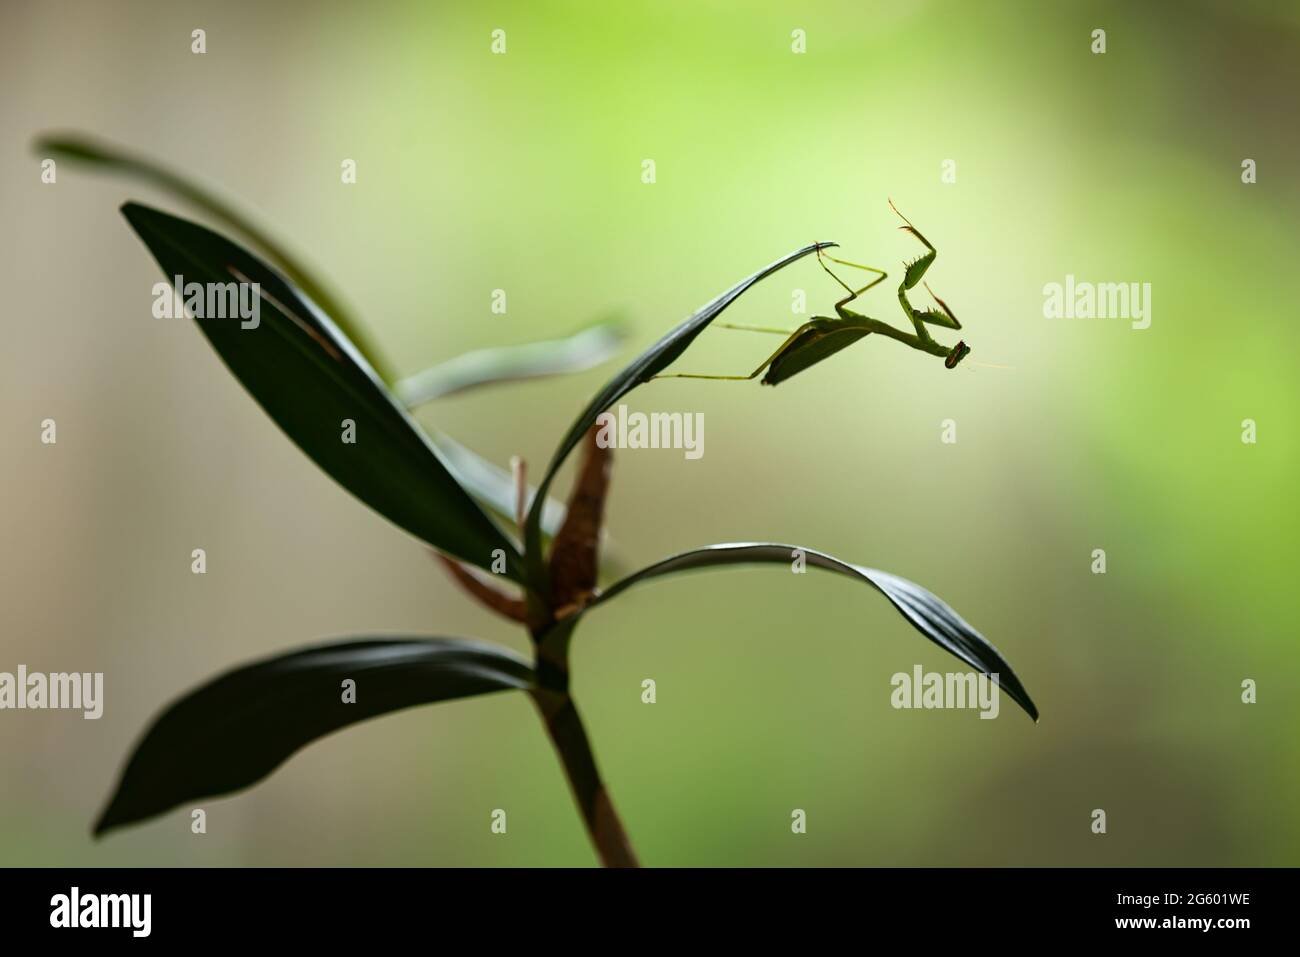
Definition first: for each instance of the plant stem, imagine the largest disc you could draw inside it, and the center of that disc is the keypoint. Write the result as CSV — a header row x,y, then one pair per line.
x,y
570,740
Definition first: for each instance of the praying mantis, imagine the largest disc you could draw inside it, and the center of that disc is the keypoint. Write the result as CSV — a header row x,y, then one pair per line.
x,y
822,336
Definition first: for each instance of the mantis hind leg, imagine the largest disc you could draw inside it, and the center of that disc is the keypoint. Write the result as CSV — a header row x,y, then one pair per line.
x,y
790,337
728,325
698,375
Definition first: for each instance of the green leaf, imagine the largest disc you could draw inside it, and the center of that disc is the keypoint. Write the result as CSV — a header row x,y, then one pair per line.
x,y
479,476
81,149
238,728
582,350
923,610
309,378
641,369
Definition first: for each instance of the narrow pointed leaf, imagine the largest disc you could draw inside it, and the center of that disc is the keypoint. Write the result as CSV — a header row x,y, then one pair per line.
x,y
238,728
641,369
530,360
309,378
81,149
480,477
923,610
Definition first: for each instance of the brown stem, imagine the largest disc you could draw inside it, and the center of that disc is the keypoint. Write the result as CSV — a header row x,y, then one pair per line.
x,y
569,583
570,740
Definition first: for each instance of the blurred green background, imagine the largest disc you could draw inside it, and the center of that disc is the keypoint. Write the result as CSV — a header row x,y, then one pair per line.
x,y
523,172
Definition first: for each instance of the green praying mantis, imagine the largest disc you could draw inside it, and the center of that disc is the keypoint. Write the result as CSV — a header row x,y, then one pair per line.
x,y
822,336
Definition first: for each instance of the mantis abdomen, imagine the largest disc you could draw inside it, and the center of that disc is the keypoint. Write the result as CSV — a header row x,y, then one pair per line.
x,y
818,339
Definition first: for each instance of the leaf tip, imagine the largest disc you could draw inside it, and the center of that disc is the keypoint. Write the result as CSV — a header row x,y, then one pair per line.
x,y
137,215
116,813
107,821
1030,708
64,145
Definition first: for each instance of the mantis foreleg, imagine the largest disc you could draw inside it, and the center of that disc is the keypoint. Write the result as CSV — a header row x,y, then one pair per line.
x,y
913,273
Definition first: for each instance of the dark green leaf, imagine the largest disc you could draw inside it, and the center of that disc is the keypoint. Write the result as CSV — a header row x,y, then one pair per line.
x,y
641,369
582,350
309,378
237,729
927,613
81,149
480,477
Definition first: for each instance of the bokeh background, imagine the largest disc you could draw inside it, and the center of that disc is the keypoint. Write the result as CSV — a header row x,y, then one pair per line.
x,y
522,172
